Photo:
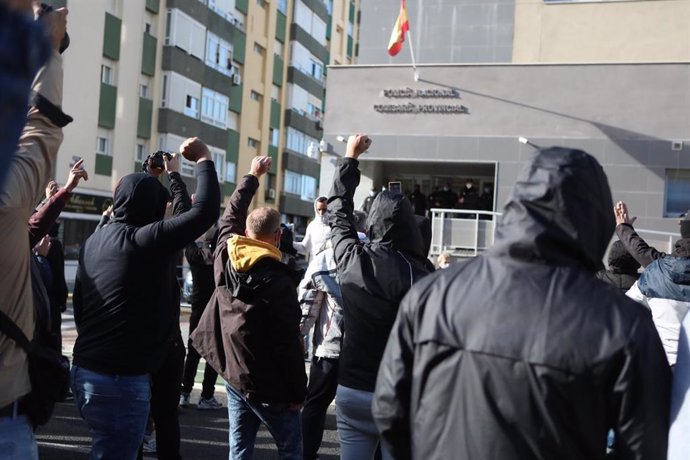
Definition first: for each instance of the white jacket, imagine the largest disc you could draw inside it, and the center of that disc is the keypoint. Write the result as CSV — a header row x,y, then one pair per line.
x,y
667,315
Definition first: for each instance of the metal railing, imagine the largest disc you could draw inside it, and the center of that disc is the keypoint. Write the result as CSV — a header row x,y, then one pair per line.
x,y
468,232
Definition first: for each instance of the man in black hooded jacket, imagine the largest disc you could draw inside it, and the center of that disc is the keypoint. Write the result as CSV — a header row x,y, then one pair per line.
x,y
123,302
521,353
374,277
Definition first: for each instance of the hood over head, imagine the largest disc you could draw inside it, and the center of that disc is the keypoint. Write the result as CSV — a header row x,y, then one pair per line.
x,y
620,260
392,222
560,211
139,200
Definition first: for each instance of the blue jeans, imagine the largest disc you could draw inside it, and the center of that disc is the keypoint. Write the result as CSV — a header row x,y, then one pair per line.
x,y
244,418
357,432
17,440
115,408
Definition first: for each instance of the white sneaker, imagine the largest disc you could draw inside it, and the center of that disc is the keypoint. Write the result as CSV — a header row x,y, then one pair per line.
x,y
184,399
210,403
149,443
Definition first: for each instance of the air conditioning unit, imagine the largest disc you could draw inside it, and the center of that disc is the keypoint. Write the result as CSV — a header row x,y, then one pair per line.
x,y
236,79
272,193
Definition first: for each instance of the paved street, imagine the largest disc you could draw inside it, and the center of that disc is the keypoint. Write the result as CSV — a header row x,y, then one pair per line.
x,y
204,433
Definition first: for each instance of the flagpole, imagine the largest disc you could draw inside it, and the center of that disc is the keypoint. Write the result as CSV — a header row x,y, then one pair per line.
x,y
414,64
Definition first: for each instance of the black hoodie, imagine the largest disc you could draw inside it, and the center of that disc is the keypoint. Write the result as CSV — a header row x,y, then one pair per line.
x,y
374,276
124,292
521,353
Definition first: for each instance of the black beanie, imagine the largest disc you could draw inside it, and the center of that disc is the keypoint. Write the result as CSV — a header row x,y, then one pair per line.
x,y
685,226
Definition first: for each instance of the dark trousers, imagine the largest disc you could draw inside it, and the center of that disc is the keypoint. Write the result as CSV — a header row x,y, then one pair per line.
x,y
165,396
192,361
323,382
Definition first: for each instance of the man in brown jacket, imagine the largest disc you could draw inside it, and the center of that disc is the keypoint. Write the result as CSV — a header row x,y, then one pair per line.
x,y
249,333
25,181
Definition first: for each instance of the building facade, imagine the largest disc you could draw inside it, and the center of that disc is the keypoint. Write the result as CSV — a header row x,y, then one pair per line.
x,y
246,76
609,77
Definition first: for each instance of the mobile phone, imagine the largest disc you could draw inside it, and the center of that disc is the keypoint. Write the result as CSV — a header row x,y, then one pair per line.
x,y
395,187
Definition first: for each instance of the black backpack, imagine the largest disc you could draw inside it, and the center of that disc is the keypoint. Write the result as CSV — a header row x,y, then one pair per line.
x,y
48,372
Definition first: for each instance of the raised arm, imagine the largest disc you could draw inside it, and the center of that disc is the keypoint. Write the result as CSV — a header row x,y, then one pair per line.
x,y
40,222
174,234
234,220
341,201
181,201
636,246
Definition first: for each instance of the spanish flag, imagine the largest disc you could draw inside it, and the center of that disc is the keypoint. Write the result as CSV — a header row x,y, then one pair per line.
x,y
398,36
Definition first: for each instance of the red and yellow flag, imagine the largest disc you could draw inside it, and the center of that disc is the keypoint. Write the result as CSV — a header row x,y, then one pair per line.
x,y
398,35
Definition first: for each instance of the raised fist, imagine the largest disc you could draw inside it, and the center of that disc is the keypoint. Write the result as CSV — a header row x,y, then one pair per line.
x,y
260,165
357,144
193,149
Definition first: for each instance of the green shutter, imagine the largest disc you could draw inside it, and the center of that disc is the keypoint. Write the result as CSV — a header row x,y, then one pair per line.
x,y
275,115
152,5
349,46
242,5
273,153
328,29
104,164
277,70
144,120
148,56
236,99
106,106
351,17
111,37
281,25
233,150
239,46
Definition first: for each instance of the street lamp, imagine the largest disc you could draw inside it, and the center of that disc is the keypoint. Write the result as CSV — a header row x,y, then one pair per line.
x,y
524,140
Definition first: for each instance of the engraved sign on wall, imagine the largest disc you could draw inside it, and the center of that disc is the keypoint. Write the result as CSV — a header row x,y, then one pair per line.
x,y
422,103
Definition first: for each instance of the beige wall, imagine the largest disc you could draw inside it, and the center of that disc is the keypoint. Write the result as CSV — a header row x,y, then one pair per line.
x,y
615,31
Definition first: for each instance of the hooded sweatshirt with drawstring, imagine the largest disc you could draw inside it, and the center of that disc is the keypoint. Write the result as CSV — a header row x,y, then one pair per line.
x,y
123,294
521,353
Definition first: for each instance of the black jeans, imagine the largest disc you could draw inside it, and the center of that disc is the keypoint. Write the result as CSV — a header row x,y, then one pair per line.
x,y
165,396
192,361
323,382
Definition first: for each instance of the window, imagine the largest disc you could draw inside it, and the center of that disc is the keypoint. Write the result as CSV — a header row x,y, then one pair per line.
x,y
313,112
308,188
147,28
230,172
214,107
329,6
274,135
282,6
218,162
293,182
143,90
310,22
106,74
140,152
253,143
278,48
299,142
102,145
677,192
165,90
316,69
191,108
349,29
219,54
299,184
255,96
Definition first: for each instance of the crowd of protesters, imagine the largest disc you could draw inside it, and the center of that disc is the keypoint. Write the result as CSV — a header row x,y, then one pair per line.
x,y
532,350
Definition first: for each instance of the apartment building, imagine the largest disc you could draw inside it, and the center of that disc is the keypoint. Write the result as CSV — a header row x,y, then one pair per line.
x,y
246,76
611,77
